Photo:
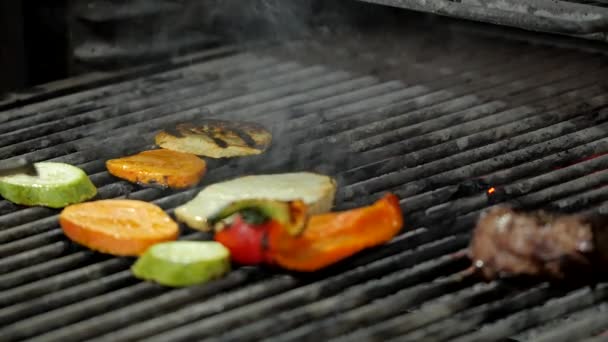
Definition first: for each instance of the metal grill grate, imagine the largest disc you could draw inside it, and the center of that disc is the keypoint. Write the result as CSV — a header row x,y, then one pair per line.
x,y
566,16
438,131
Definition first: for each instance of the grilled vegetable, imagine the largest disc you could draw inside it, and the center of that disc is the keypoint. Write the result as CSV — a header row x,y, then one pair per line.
x,y
216,139
163,167
183,263
244,237
316,191
327,238
55,186
118,227
242,227
291,215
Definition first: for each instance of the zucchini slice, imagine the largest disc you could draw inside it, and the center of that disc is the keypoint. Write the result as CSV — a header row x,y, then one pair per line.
x,y
183,263
57,185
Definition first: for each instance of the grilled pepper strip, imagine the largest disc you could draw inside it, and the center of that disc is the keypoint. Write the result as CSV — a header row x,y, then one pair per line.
x,y
329,238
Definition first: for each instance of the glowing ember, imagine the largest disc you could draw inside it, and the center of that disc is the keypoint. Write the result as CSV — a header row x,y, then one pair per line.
x,y
491,191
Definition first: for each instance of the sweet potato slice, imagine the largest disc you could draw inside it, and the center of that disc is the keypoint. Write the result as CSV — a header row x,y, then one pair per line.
x,y
118,227
159,167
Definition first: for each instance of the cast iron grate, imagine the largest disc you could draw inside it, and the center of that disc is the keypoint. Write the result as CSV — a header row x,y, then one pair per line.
x,y
568,17
437,131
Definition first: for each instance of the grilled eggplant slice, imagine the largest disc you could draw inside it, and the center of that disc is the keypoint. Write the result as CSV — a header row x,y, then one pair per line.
x,y
316,191
216,139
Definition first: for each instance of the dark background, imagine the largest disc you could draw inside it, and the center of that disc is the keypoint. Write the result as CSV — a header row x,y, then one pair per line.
x,y
33,41
43,40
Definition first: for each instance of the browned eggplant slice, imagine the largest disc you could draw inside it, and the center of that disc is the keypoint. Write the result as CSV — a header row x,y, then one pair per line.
x,y
216,138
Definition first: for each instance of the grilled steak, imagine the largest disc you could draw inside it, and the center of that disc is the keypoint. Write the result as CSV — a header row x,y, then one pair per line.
x,y
508,242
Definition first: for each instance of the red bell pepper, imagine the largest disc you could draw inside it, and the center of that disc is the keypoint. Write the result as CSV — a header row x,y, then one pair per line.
x,y
326,239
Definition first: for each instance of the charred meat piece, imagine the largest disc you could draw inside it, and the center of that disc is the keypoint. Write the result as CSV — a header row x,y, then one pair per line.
x,y
509,242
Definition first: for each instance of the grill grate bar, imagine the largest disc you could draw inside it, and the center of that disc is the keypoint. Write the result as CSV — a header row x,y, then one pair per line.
x,y
13,279
313,329
100,93
584,199
554,177
44,286
548,162
432,311
462,166
576,327
407,299
418,149
41,254
195,311
66,297
31,242
553,309
454,313
29,214
474,60
394,135
538,148
598,338
567,188
500,307
565,17
118,299
77,311
469,218
28,229
214,329
382,309
394,113
86,155
433,105
62,280
445,83
156,94
55,151
313,159
504,189
59,159
402,282
563,88
415,277
57,139
584,181
35,213
329,285
38,325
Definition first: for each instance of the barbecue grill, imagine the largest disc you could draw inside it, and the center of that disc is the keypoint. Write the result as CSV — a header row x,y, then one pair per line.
x,y
451,126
